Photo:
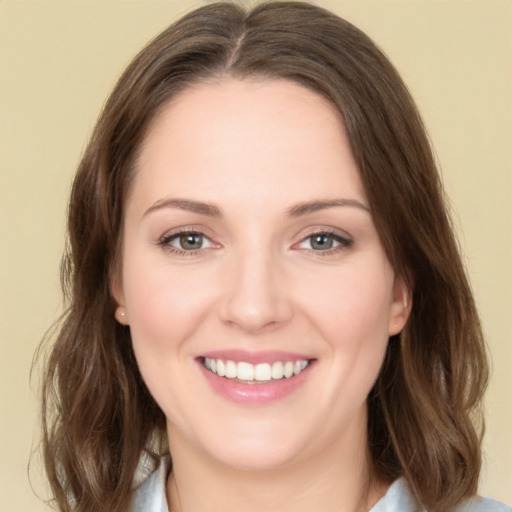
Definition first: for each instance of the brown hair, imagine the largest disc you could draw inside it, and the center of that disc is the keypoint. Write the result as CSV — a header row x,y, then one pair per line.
x,y
424,421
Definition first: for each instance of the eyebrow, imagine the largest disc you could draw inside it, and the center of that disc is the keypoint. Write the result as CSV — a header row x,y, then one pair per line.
x,y
309,207
188,205
211,210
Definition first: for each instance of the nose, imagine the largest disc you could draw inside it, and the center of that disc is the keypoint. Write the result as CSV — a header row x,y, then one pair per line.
x,y
255,296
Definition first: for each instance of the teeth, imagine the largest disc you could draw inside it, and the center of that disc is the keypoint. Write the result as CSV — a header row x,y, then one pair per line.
x,y
278,370
263,372
231,370
248,372
221,368
245,371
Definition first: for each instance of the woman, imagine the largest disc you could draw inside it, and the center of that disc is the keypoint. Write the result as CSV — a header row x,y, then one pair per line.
x,y
263,281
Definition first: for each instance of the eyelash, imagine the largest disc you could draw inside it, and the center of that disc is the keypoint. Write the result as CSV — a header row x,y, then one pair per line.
x,y
165,242
344,242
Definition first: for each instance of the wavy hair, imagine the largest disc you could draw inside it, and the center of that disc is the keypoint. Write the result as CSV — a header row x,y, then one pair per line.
x,y
424,410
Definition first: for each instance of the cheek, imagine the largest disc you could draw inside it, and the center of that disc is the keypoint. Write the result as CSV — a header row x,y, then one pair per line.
x,y
352,305
351,314
164,305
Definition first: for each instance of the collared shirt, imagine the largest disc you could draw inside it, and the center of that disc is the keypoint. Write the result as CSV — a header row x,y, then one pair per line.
x,y
150,495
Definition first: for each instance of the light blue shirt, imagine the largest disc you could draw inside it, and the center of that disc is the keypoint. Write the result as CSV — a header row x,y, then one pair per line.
x,y
149,496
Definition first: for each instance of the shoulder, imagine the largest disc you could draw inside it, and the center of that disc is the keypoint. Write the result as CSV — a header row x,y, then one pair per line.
x,y
478,504
148,493
399,499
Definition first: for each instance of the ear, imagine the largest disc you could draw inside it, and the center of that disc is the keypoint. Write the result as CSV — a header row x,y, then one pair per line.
x,y
116,289
401,306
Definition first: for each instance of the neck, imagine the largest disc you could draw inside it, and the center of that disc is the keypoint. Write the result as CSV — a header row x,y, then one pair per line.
x,y
339,480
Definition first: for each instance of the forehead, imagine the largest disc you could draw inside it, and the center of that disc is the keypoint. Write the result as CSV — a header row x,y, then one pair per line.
x,y
247,136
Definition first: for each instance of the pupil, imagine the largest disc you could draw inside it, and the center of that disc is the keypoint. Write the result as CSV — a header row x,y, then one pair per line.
x,y
191,241
321,242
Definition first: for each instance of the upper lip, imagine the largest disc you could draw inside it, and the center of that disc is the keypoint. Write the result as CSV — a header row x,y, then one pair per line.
x,y
255,357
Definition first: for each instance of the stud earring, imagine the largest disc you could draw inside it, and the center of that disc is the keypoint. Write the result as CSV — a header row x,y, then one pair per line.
x,y
120,315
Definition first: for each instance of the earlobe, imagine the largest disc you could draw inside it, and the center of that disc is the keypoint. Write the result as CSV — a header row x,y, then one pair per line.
x,y
401,306
121,315
116,288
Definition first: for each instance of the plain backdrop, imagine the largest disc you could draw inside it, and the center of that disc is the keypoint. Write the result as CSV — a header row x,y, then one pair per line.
x,y
58,61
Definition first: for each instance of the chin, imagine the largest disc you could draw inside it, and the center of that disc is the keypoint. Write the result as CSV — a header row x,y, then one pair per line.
x,y
244,445
257,457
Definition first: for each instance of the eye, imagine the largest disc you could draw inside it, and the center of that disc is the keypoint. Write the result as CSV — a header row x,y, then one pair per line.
x,y
185,242
324,241
188,241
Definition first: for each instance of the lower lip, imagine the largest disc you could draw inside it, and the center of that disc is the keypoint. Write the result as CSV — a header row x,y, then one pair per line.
x,y
257,393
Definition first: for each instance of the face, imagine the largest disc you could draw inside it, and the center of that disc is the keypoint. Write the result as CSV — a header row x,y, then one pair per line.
x,y
259,297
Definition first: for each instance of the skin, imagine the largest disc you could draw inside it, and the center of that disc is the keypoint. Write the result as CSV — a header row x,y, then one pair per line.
x,y
254,150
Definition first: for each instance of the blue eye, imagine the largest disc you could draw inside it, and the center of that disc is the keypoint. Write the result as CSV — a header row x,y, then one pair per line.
x,y
324,241
321,242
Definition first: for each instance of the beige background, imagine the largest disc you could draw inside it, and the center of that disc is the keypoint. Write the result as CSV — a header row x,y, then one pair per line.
x,y
59,59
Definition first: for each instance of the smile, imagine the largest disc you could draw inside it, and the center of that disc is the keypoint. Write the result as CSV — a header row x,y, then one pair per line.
x,y
247,372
